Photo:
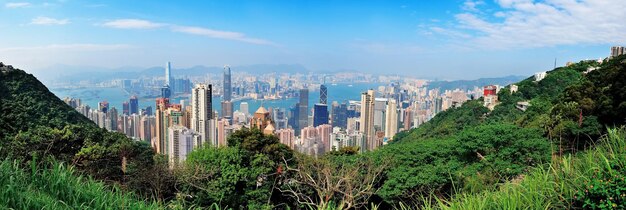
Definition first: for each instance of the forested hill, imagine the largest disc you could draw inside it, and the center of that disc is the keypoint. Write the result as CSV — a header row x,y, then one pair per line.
x,y
26,103
472,148
37,127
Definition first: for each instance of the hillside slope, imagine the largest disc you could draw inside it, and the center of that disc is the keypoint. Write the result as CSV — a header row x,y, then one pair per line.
x,y
36,126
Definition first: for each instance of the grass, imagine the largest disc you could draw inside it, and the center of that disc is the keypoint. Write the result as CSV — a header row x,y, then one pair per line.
x,y
59,188
551,187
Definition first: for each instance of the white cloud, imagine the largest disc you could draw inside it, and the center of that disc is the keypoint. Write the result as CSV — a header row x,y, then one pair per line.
x,y
49,21
132,24
69,47
532,24
219,34
471,5
17,4
193,30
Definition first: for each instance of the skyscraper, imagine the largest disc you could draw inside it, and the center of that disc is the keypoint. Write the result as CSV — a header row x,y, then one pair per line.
x,y
161,120
367,121
323,94
228,89
112,115
125,108
202,111
227,110
168,74
243,107
103,106
391,121
134,105
165,90
320,115
181,143
340,115
303,109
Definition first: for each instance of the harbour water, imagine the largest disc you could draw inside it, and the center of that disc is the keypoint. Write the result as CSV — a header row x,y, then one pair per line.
x,y
117,96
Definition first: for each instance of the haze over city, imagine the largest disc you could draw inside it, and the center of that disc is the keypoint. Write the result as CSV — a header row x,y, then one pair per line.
x,y
461,39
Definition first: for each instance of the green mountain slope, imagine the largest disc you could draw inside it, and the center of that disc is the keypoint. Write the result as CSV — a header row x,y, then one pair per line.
x,y
37,127
26,103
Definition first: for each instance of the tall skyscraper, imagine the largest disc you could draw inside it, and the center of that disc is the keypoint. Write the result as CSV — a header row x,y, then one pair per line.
x,y
391,121
367,121
323,94
320,114
228,89
134,105
166,92
202,111
168,74
303,109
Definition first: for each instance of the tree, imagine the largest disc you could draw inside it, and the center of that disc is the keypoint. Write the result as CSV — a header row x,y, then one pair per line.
x,y
347,182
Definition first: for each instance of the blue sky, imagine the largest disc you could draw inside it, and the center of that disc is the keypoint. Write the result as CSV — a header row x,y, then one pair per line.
x,y
455,39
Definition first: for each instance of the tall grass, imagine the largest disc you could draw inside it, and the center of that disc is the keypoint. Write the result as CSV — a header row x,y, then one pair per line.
x,y
59,188
551,187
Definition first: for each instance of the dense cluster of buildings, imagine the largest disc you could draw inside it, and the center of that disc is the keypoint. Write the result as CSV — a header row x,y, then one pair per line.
x,y
175,129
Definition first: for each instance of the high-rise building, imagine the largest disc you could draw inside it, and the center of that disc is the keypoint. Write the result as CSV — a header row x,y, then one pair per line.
x,y
287,137
617,51
391,121
228,89
166,91
320,114
340,115
112,116
324,132
202,111
367,121
303,109
222,134
168,74
147,122
134,105
103,106
243,107
162,122
126,108
293,119
323,94
227,110
181,142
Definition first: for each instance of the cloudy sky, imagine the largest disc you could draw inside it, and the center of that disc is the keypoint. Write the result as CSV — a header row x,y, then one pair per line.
x,y
452,39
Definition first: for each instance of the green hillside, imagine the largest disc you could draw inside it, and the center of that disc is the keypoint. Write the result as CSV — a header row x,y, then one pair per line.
x,y
36,127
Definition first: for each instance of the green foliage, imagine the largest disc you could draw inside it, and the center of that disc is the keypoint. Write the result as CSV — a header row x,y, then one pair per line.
x,y
450,122
606,190
506,149
26,103
35,123
241,175
59,188
561,185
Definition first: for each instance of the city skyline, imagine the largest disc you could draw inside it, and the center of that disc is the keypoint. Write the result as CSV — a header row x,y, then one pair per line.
x,y
422,39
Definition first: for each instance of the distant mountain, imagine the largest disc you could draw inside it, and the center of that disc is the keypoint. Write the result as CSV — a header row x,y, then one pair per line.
x,y
98,74
468,84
